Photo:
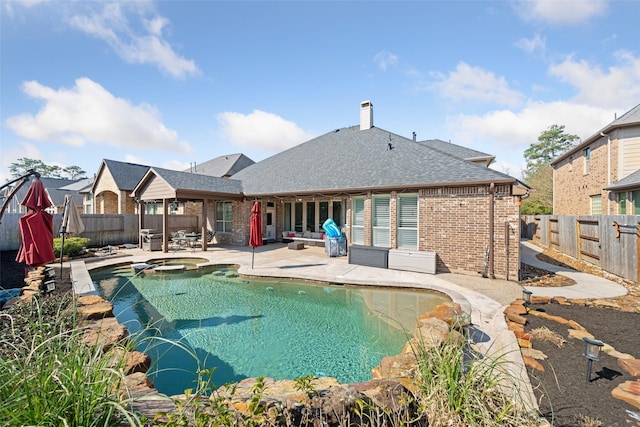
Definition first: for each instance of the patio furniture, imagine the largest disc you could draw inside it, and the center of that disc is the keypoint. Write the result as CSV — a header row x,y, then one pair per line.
x,y
296,245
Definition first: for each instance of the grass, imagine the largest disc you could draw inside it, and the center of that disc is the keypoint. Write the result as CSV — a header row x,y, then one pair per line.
x,y
545,334
49,377
461,388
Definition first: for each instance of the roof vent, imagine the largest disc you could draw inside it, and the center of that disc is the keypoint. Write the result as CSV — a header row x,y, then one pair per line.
x,y
366,115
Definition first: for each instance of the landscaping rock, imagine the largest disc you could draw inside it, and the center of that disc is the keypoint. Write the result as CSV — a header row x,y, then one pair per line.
x,y
512,315
90,299
630,366
533,353
402,365
96,311
105,333
448,312
579,334
532,363
628,391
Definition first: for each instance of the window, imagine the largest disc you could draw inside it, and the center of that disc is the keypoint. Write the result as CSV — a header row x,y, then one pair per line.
x,y
151,208
337,213
311,216
635,202
587,160
408,221
224,217
596,204
298,216
357,221
381,221
622,203
287,217
324,212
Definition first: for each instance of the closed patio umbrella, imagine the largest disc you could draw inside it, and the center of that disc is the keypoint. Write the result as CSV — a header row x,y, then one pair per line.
x,y
255,229
71,223
36,227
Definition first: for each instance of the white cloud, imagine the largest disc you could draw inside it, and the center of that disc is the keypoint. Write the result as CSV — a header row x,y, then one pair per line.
x,y
512,132
536,45
617,86
384,60
134,46
469,83
261,131
87,113
558,12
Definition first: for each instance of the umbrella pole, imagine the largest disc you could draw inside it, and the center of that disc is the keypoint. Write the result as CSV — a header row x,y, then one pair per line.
x,y
253,254
61,255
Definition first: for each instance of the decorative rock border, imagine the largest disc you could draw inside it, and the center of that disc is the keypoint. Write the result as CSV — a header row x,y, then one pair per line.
x,y
391,388
515,314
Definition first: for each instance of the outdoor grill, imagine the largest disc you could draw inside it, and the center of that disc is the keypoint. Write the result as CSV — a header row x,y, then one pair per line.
x,y
151,239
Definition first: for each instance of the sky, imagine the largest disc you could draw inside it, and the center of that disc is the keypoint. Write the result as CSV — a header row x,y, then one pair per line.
x,y
167,83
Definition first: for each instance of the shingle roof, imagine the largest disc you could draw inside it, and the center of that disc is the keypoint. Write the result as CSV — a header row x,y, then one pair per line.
x,y
126,175
222,166
351,159
196,182
82,185
456,150
55,188
629,182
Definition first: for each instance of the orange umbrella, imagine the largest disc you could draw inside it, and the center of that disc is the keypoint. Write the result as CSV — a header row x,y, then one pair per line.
x,y
36,227
255,230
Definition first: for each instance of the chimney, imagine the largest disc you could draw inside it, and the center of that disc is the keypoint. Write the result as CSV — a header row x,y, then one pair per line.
x,y
366,115
414,137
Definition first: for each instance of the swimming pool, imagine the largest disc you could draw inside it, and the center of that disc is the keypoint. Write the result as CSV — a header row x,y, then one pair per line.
x,y
280,329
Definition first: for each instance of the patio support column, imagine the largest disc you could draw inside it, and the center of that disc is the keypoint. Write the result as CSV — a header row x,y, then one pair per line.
x,y
165,225
140,222
204,229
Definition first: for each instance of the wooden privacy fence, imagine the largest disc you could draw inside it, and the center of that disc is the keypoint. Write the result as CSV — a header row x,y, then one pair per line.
x,y
102,230
611,242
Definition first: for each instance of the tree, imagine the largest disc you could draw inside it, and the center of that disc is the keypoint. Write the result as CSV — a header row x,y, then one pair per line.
x,y
23,165
538,173
551,143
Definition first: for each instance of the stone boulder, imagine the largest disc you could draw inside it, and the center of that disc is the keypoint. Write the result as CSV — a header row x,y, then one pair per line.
x,y
104,333
448,312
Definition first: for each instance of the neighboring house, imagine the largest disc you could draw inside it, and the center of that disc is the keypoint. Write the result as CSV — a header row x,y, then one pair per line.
x,y
113,185
382,189
600,175
57,189
223,166
83,198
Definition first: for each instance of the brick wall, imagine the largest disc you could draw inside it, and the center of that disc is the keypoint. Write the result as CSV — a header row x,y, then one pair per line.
x,y
573,188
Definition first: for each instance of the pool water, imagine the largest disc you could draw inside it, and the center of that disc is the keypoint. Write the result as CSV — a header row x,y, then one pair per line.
x,y
283,330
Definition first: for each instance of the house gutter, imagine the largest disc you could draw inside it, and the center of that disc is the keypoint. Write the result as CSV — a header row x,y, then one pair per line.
x,y
492,190
602,134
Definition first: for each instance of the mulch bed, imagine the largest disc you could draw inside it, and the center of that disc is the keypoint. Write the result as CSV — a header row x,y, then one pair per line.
x,y
564,395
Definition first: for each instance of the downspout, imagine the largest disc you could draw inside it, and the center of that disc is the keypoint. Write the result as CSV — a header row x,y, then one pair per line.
x,y
492,189
608,169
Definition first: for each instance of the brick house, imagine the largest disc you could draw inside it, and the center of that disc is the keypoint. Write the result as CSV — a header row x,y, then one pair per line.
x,y
382,189
600,175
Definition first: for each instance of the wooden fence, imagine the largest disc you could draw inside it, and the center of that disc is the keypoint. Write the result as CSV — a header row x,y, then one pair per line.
x,y
102,230
611,242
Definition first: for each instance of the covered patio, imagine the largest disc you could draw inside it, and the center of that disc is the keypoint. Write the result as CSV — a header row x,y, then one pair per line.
x,y
179,194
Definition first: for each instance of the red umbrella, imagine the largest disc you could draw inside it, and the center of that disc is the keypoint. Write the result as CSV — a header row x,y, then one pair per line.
x,y
36,227
255,231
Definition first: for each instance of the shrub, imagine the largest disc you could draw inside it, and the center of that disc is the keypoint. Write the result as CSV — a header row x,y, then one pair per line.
x,y
73,246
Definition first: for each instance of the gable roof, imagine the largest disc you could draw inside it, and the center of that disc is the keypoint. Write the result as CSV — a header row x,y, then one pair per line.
x,y
126,175
350,159
629,182
458,151
185,184
223,166
630,118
